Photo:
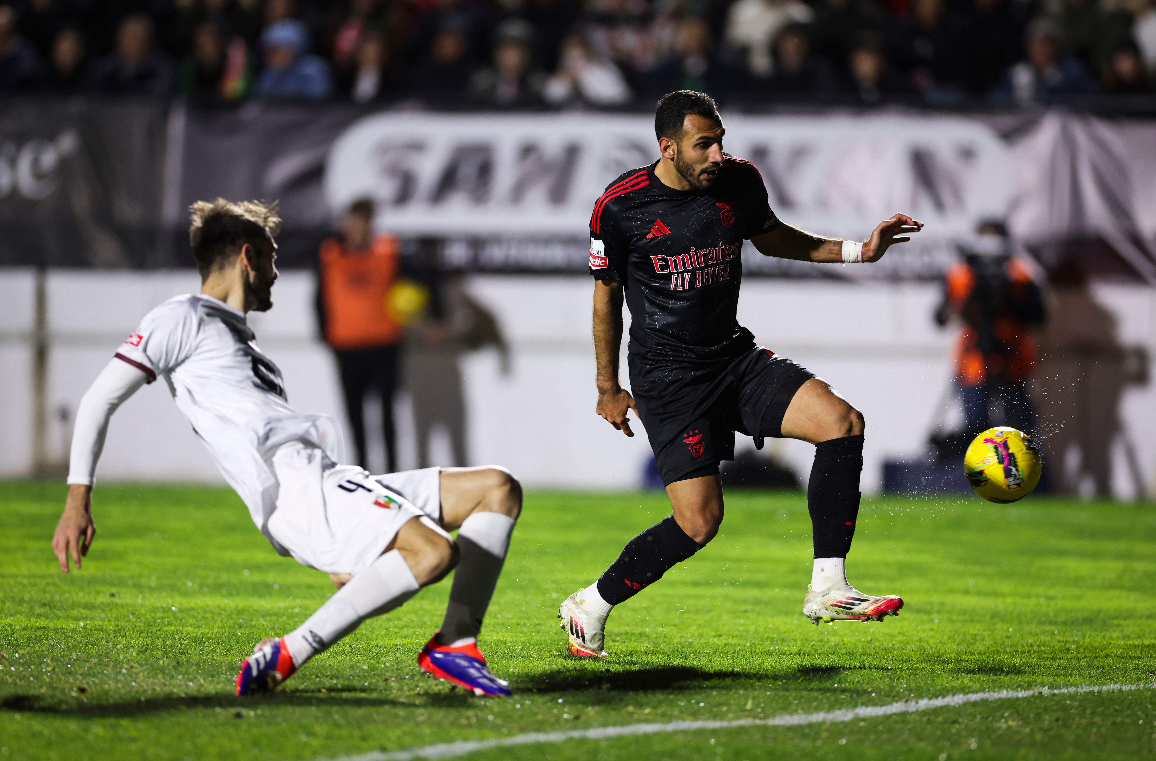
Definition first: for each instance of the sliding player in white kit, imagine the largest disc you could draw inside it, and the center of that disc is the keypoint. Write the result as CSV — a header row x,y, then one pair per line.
x,y
381,538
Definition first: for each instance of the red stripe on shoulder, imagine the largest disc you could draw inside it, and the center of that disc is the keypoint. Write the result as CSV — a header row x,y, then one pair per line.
x,y
143,368
620,183
743,163
639,181
610,190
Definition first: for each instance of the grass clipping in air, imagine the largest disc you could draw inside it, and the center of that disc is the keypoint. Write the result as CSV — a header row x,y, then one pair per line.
x,y
135,655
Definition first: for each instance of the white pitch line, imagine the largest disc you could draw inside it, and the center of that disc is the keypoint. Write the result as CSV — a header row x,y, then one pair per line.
x,y
466,747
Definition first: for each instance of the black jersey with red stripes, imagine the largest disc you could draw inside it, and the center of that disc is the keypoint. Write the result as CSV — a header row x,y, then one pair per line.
x,y
677,252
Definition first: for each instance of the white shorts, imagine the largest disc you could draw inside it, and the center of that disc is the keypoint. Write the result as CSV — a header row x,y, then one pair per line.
x,y
339,518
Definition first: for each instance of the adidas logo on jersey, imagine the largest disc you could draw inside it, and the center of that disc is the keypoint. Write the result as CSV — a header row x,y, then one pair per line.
x,y
658,230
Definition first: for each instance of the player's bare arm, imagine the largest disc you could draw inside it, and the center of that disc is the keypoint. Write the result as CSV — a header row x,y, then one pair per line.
x,y
614,402
786,242
76,529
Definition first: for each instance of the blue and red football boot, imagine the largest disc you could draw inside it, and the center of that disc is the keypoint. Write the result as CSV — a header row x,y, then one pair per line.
x,y
464,666
268,666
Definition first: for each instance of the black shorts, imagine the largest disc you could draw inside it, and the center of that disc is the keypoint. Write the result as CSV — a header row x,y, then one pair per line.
x,y
692,426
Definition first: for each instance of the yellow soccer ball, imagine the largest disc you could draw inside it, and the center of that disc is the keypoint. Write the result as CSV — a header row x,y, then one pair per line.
x,y
1002,465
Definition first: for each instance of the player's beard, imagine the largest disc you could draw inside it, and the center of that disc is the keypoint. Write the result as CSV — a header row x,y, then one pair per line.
x,y
261,292
694,176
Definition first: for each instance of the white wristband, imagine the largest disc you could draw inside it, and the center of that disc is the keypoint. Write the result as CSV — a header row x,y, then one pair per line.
x,y
852,252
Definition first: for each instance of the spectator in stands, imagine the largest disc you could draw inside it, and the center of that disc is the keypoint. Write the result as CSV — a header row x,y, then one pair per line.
x,y
372,77
445,75
67,73
21,68
357,17
290,71
1089,31
583,78
929,47
134,67
1049,72
752,25
473,20
991,33
231,17
219,70
798,74
697,65
551,20
1124,72
357,272
839,24
365,37
629,35
1144,33
512,81
41,21
871,80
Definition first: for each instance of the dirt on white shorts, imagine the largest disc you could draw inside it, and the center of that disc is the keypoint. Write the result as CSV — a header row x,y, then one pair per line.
x,y
339,518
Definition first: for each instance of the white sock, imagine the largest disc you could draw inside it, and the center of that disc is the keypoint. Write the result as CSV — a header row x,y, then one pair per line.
x,y
589,599
828,573
482,542
384,585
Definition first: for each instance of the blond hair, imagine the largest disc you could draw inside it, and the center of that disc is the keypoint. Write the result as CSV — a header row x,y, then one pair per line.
x,y
218,229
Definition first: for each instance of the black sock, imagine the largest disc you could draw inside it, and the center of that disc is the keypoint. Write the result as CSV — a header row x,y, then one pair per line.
x,y
833,494
644,560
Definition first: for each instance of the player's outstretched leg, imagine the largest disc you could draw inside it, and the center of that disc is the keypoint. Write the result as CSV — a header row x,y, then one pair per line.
x,y
819,415
417,557
698,509
483,504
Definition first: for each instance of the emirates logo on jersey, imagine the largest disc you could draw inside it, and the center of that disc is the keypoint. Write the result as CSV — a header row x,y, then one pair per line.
x,y
727,213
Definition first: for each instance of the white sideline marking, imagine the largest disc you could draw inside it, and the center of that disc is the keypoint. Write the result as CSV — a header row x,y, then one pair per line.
x,y
466,747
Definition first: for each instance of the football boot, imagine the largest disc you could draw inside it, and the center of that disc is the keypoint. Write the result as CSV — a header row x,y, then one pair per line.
x,y
268,666
584,629
464,666
845,603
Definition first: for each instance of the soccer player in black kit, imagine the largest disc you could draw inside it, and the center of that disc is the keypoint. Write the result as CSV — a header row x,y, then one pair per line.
x,y
667,238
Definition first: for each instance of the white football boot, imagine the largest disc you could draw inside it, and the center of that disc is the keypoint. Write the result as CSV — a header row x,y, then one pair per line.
x,y
585,629
846,603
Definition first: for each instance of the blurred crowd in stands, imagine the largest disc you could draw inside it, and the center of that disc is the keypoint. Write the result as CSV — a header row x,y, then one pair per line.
x,y
563,53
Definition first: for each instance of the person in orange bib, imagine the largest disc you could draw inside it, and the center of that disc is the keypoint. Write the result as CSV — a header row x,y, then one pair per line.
x,y
357,272
998,302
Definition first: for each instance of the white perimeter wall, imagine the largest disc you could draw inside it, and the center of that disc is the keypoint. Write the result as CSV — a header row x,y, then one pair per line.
x,y
875,343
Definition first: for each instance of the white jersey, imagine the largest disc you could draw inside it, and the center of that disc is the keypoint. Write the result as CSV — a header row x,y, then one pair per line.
x,y
231,393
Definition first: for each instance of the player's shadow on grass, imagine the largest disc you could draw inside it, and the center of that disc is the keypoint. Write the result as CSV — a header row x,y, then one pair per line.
x,y
228,704
680,678
644,679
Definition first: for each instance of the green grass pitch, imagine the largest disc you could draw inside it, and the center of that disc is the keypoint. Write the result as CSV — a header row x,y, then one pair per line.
x,y
134,656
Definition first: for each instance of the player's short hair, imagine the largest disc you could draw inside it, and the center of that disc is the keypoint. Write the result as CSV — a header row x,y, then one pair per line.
x,y
674,107
220,228
362,207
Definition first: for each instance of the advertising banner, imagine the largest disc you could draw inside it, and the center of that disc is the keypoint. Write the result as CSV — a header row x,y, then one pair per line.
x,y
81,182
108,183
540,175
514,192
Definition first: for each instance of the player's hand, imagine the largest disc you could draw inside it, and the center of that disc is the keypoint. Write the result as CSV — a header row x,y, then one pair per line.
x,y
898,229
614,406
76,530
